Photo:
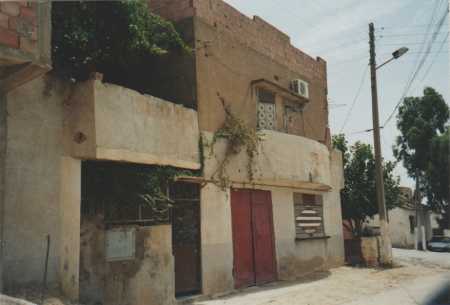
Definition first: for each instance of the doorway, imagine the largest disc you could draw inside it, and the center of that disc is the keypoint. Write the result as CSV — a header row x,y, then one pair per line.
x,y
186,237
253,237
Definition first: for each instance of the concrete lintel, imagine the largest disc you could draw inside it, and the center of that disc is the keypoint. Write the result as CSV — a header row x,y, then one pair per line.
x,y
300,185
143,158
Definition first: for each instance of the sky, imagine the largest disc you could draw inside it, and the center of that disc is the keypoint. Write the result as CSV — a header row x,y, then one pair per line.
x,y
338,32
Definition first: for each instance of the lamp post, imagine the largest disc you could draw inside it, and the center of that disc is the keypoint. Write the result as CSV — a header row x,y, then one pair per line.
x,y
386,246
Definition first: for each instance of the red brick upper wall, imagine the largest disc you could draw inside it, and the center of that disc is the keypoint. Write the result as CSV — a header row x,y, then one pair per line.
x,y
255,33
19,25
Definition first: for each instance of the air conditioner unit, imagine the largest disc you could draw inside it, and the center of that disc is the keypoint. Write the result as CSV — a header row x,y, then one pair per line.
x,y
300,87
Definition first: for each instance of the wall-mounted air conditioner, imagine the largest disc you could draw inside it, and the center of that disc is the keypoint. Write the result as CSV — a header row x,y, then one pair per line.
x,y
300,87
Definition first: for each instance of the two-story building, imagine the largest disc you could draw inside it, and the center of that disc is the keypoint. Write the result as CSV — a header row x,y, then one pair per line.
x,y
279,223
286,222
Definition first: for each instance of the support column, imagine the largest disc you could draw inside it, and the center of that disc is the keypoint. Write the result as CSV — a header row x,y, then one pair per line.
x,y
70,200
3,134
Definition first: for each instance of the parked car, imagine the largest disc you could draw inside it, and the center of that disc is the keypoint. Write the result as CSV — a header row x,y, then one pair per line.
x,y
439,243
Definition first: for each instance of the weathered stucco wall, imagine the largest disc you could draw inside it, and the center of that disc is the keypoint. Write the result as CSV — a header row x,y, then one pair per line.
x,y
216,240
333,212
32,202
70,200
110,122
42,186
281,157
148,279
3,136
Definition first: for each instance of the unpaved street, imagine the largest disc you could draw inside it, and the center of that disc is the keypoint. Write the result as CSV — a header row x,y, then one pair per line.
x,y
420,274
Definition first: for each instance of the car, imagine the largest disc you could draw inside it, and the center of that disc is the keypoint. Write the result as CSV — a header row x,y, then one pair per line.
x,y
439,244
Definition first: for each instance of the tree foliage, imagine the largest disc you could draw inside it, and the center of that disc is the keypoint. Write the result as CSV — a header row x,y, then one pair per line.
x,y
423,145
116,38
359,194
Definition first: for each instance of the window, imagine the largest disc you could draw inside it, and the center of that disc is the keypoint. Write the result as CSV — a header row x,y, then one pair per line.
x,y
266,110
412,224
308,211
293,118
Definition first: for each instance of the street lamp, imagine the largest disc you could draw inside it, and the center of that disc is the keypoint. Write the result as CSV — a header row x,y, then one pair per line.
x,y
386,245
395,55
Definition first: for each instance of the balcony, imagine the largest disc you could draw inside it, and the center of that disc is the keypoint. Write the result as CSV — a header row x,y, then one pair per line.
x,y
284,160
108,122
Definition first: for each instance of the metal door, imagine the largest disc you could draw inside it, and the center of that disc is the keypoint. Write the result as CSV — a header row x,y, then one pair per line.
x,y
253,242
186,238
263,242
244,271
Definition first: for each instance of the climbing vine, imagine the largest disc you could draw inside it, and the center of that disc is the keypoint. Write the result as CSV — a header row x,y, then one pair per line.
x,y
238,136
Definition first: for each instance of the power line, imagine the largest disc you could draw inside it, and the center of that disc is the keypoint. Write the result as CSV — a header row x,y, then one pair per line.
x,y
434,59
349,112
409,34
407,43
419,66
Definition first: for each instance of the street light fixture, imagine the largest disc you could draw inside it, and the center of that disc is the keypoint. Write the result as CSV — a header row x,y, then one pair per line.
x,y
385,240
395,55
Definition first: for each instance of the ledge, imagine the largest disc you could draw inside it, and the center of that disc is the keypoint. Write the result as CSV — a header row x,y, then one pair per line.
x,y
301,185
312,238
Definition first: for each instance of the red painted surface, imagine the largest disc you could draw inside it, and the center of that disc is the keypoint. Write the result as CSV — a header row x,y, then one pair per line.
x,y
253,242
244,271
263,241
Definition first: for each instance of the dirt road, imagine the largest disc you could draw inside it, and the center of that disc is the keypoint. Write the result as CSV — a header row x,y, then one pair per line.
x,y
409,284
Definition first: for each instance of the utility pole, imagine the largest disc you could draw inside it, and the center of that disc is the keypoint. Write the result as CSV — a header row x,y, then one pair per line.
x,y
416,207
386,246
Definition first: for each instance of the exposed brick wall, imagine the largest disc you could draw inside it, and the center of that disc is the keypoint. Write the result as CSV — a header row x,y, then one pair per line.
x,y
232,50
174,10
255,33
19,25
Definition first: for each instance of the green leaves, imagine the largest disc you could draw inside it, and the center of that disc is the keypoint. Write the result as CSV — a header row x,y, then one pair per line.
x,y
423,145
108,37
359,194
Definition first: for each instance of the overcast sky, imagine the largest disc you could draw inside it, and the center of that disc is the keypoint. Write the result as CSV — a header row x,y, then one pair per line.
x,y
338,32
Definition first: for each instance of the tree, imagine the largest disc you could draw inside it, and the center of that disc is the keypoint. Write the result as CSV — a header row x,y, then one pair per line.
x,y
359,194
117,38
423,145
437,177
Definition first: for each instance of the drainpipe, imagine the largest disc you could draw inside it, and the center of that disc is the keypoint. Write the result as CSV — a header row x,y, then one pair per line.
x,y
3,135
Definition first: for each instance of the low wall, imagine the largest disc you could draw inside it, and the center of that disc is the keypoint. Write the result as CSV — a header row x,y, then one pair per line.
x,y
148,279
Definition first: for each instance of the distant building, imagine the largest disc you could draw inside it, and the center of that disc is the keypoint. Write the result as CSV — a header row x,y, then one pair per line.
x,y
402,221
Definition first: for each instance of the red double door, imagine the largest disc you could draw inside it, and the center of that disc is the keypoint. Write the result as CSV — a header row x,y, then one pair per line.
x,y
253,238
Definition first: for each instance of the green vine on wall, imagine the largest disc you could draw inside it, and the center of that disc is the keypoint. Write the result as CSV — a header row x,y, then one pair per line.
x,y
238,136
